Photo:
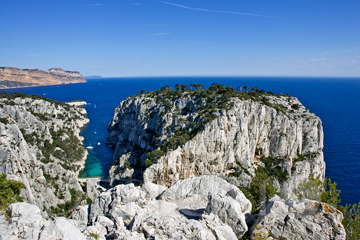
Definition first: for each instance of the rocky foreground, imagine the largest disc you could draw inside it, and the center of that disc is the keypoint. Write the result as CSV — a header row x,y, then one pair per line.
x,y
204,207
15,78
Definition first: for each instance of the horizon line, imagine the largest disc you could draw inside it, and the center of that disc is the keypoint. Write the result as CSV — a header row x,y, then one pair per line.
x,y
217,76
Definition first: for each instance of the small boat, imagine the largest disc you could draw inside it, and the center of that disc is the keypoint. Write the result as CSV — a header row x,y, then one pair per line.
x,y
98,143
95,132
94,105
89,147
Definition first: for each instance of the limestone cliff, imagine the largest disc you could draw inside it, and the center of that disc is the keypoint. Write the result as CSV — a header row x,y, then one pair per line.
x,y
216,132
41,147
14,77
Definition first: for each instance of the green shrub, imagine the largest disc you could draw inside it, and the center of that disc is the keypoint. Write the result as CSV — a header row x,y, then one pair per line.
x,y
94,235
351,220
153,156
4,120
127,164
261,189
9,192
269,169
311,189
295,106
88,200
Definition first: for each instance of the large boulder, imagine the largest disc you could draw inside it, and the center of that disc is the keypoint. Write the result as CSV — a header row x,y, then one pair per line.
x,y
298,219
197,189
229,211
61,228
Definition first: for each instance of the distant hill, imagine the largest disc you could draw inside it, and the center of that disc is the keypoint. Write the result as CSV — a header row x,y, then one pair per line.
x,y
14,77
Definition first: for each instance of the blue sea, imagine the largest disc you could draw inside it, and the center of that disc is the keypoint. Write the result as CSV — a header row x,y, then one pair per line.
x,y
335,100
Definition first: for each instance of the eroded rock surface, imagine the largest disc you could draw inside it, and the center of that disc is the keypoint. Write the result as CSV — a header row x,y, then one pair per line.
x,y
298,219
174,213
130,212
26,222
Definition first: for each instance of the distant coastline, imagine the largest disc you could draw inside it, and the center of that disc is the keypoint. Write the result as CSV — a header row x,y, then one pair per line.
x,y
19,78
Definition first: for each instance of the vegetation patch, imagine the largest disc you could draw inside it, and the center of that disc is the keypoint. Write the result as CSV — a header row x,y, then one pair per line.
x,y
9,192
272,169
261,189
65,209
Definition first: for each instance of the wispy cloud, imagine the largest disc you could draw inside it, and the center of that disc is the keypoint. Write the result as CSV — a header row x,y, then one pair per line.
x,y
34,55
219,11
158,34
351,49
312,60
93,5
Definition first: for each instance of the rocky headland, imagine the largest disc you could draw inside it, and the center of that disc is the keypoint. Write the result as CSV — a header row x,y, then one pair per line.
x,y
15,77
188,164
170,135
41,147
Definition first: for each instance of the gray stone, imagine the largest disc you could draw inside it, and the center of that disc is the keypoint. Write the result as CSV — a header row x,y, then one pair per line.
x,y
229,212
298,219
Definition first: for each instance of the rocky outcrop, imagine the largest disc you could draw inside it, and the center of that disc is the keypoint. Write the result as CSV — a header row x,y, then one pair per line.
x,y
298,219
180,212
177,213
206,133
26,222
14,77
41,147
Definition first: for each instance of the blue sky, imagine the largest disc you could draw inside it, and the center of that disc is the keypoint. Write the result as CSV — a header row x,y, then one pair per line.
x,y
183,38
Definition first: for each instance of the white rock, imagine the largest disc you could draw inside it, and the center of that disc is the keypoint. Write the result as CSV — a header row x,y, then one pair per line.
x,y
299,219
61,229
152,190
229,212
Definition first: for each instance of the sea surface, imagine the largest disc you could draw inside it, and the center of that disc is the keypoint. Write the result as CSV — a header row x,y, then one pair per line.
x,y
335,100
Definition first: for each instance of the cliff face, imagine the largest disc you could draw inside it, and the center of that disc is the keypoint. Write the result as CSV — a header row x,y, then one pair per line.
x,y
236,136
14,77
41,147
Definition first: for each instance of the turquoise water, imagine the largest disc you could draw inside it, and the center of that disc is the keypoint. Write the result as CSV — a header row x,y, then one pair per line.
x,y
334,100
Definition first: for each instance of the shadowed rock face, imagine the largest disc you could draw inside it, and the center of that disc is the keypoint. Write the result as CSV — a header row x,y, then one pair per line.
x,y
233,142
14,77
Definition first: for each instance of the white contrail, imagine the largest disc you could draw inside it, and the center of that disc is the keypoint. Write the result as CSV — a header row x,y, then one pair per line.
x,y
217,11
